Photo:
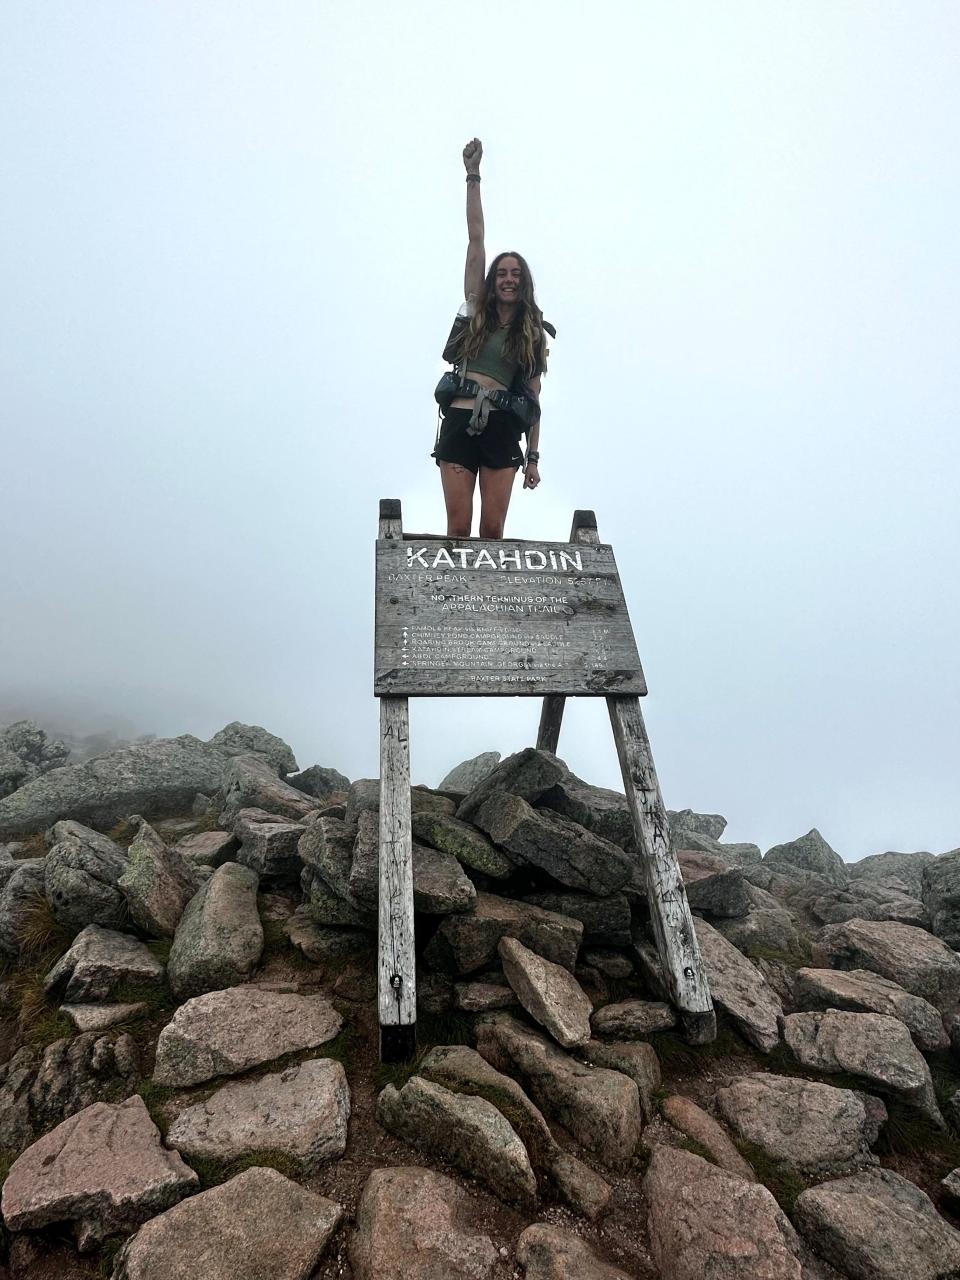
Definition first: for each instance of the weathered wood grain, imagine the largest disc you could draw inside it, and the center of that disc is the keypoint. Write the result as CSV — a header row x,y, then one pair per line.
x,y
396,961
666,896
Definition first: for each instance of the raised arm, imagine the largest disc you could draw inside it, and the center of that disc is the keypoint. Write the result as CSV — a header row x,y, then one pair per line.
x,y
476,265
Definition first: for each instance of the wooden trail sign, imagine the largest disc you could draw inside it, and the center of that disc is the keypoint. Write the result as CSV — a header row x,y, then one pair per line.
x,y
468,618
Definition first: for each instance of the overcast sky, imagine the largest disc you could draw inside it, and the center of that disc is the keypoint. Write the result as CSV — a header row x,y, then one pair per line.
x,y
231,243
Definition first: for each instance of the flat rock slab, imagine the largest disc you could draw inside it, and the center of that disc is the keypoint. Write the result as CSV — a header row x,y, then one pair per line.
x,y
207,848
301,1112
869,1045
635,1059
606,920
860,991
549,993
483,997
157,883
739,988
705,1222
466,1130
258,1224
104,1169
269,847
98,960
551,1253
226,1032
599,1107
468,943
633,1019
878,1226
413,1224
685,1115
320,944
100,1017
250,783
803,1123
462,841
573,856
219,940
914,959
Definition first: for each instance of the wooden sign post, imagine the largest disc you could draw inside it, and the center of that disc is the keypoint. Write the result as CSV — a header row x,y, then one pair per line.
x,y
474,618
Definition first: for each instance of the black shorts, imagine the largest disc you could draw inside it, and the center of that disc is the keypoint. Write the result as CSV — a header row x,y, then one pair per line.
x,y
498,445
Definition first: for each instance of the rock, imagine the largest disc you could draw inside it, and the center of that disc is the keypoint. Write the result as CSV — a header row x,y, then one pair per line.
x,y
809,853
423,800
568,852
732,855
711,825
301,1113
326,848
605,920
951,1184
238,739
101,1017
468,1131
612,964
633,1019
412,1225
152,777
767,926
226,1032
528,773
104,1169
25,754
638,1060
24,886
878,1226
906,867
434,992
803,1123
258,1224
470,773
157,883
548,992
737,987
940,892
860,991
322,784
705,1222
602,811
463,841
219,940
351,985
466,943
600,1108
867,900
250,783
100,960
551,1253
320,945
207,848
581,1187
914,959
685,1115
269,847
439,884
81,877
712,886
868,1045
364,795
482,997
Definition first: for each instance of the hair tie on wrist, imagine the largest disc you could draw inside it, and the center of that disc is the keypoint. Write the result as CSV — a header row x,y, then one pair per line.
x,y
473,177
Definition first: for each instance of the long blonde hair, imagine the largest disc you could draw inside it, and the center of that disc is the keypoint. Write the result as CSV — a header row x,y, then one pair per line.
x,y
525,342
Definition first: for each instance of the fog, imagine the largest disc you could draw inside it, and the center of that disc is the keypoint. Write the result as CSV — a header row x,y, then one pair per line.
x,y
231,244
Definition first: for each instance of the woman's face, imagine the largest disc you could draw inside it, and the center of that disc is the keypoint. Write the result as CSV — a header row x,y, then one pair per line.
x,y
507,280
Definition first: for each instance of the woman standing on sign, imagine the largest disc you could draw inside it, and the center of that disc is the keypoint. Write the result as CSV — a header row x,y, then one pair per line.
x,y
499,348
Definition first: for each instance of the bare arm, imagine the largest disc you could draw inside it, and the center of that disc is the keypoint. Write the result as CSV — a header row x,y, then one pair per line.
x,y
476,264
531,472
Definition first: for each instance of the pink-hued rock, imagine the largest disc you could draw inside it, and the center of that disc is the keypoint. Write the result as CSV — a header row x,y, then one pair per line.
x,y
685,1115
549,993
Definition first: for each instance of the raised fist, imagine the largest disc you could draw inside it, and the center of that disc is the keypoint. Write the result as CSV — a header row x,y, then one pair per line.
x,y
472,153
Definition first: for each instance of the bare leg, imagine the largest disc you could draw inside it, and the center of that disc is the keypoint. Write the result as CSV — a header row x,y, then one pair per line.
x,y
458,486
496,485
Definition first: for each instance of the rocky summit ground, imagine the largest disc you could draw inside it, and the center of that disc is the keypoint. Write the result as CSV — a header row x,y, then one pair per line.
x,y
190,1082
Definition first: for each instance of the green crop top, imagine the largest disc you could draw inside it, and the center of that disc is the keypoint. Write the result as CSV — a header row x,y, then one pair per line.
x,y
491,360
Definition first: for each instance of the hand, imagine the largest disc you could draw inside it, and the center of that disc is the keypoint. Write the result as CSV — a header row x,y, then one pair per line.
x,y
472,154
531,476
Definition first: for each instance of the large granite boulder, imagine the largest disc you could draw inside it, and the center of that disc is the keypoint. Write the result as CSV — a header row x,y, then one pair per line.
x,y
463,841
529,773
98,961
940,891
161,776
467,943
911,957
713,886
803,1123
868,899
25,883
470,773
767,926
258,1224
323,784
606,920
157,883
440,885
414,1224
301,1112
633,1058
860,991
906,867
104,1170
690,1119
553,1253
703,1221
26,753
549,993
466,1130
227,1032
870,1046
806,855
219,939
739,988
711,825
268,846
326,849
878,1225
249,782
238,739
81,877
